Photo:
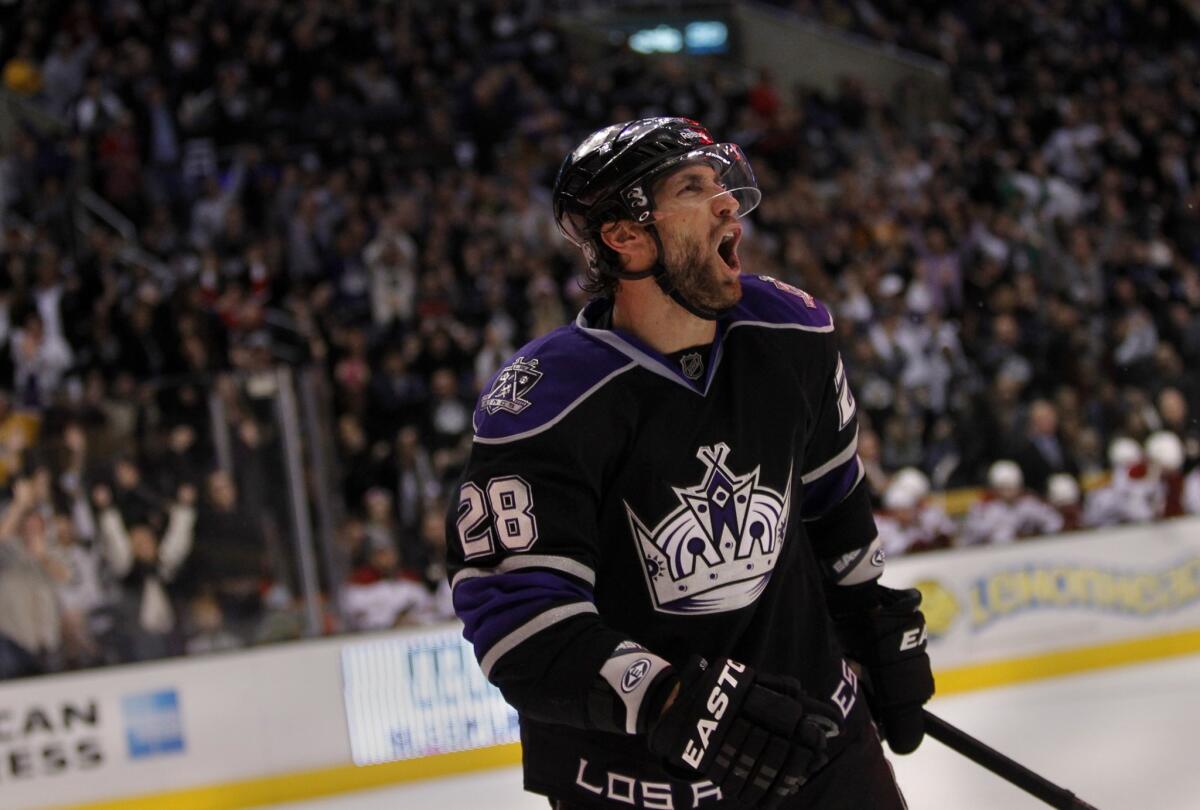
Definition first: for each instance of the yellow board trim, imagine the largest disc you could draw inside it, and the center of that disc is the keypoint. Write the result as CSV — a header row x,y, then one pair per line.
x,y
304,785
1065,662
345,778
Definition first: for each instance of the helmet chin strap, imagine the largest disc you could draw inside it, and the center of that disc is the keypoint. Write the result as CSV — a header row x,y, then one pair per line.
x,y
659,270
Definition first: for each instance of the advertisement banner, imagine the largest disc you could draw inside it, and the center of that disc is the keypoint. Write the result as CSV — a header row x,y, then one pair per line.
x,y
1079,590
149,728
412,696
154,728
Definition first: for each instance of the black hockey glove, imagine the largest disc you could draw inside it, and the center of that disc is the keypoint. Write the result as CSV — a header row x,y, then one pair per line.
x,y
889,640
757,737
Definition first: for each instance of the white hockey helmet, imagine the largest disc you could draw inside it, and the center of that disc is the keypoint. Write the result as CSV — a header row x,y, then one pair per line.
x,y
1062,490
900,494
1005,477
1165,450
1123,453
913,478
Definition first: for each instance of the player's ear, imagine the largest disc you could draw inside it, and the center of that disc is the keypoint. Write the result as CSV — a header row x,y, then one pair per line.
x,y
621,235
629,240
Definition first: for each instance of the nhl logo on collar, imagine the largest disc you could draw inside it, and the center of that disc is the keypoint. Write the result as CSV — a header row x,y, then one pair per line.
x,y
715,552
511,387
692,365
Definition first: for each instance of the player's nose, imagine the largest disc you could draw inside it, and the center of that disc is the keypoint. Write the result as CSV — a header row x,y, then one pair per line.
x,y
725,205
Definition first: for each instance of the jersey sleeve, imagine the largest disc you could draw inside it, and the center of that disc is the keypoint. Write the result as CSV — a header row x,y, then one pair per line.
x,y
523,550
836,505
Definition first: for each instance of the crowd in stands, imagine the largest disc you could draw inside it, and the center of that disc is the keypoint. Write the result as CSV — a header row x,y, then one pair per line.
x,y
362,187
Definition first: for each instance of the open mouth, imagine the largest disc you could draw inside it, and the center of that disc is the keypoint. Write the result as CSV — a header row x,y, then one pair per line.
x,y
727,249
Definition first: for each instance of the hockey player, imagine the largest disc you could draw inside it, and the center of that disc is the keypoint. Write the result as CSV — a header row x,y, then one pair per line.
x,y
1130,496
1009,511
1062,491
662,550
910,522
1164,454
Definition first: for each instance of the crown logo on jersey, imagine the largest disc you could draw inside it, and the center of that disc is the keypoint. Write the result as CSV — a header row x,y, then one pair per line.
x,y
717,550
511,387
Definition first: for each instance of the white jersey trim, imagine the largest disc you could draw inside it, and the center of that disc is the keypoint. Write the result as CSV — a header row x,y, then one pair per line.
x,y
638,357
798,326
833,463
561,414
647,362
532,628
517,562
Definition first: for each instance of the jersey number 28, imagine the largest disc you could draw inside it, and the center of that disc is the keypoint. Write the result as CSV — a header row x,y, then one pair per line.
x,y
504,511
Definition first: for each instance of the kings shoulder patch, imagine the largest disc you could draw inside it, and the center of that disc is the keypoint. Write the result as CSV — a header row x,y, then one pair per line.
x,y
512,386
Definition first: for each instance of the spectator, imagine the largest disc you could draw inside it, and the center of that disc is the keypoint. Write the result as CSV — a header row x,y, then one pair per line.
x,y
433,540
1041,453
416,485
396,395
361,462
40,360
31,624
391,259
183,462
229,557
77,570
257,467
379,508
207,632
1176,417
448,424
145,569
132,496
72,470
493,351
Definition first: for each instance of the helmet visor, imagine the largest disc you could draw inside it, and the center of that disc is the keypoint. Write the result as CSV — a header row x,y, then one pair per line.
x,y
693,180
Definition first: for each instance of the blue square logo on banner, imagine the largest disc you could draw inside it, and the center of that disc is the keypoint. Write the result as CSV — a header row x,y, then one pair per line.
x,y
152,723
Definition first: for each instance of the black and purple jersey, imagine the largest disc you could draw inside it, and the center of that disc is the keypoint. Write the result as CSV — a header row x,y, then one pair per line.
x,y
689,504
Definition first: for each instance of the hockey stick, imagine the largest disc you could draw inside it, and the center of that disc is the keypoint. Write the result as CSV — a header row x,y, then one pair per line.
x,y
1002,766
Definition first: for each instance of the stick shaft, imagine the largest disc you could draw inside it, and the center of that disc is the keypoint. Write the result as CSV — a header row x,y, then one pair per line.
x,y
1004,767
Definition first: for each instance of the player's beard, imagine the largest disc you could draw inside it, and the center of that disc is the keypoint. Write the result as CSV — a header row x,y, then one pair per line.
x,y
698,274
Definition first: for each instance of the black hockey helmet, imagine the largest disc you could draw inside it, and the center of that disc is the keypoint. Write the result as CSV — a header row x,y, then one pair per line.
x,y
610,177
